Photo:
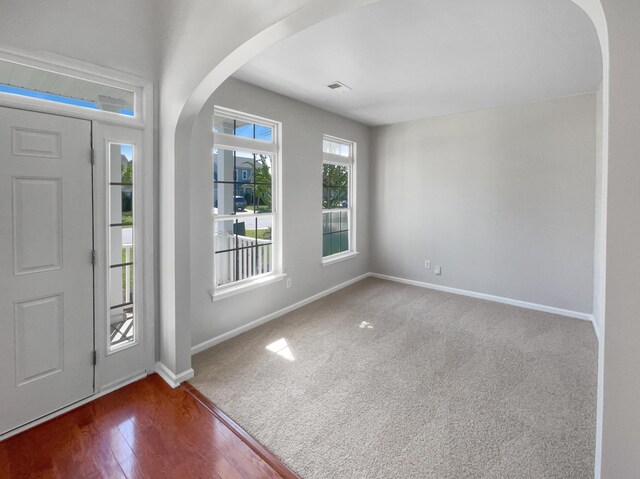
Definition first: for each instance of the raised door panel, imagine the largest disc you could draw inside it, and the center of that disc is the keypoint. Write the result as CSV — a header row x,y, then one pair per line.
x,y
36,143
39,338
37,224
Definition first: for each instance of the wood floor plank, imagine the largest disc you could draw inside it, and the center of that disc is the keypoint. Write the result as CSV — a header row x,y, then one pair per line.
x,y
267,457
144,430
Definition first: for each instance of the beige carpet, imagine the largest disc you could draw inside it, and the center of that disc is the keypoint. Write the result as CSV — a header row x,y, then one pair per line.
x,y
384,380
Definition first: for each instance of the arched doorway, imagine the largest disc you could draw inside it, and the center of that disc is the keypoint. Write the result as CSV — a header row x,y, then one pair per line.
x,y
176,127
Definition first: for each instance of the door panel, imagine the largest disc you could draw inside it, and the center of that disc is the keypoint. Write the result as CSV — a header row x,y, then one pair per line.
x,y
37,224
39,341
46,275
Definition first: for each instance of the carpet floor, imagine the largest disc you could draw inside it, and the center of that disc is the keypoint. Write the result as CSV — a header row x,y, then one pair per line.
x,y
385,380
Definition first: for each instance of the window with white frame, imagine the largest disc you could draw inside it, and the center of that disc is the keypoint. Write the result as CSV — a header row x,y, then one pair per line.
x,y
338,195
122,320
32,82
245,213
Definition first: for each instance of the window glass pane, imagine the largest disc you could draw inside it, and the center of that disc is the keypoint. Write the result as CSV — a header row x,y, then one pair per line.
x,y
344,220
263,199
223,165
225,267
121,244
121,163
344,241
340,197
122,326
121,240
326,245
228,199
242,182
336,148
122,286
245,263
335,184
232,234
231,126
261,228
335,221
123,213
45,85
335,243
242,232
263,180
244,191
326,223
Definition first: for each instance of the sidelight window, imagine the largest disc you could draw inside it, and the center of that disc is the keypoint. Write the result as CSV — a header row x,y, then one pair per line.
x,y
121,244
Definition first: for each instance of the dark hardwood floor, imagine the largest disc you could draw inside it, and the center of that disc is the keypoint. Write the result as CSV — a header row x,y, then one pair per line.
x,y
144,430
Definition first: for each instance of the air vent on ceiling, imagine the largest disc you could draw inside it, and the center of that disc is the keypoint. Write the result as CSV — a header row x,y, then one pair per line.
x,y
338,86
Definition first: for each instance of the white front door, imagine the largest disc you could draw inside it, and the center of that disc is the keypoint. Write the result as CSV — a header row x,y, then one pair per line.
x,y
46,272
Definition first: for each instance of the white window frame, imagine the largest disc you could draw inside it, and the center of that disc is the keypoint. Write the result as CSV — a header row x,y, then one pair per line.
x,y
273,149
351,163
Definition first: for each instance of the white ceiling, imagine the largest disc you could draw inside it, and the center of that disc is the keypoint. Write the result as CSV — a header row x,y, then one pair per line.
x,y
408,59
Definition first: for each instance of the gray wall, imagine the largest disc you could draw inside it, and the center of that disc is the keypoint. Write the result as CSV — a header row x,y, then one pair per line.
x,y
302,130
124,35
503,200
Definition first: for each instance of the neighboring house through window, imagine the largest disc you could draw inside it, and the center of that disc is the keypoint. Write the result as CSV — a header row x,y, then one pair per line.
x,y
246,232
338,199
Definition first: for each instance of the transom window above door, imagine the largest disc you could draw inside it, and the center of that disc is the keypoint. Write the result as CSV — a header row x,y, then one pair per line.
x,y
41,84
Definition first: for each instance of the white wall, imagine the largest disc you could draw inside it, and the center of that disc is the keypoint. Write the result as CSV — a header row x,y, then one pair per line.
x,y
598,257
620,354
119,34
502,199
302,130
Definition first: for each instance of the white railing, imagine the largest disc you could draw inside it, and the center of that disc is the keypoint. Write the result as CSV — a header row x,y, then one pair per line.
x,y
248,260
127,291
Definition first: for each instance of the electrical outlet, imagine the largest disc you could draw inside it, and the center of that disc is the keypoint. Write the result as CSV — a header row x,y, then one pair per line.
x,y
438,270
288,282
427,264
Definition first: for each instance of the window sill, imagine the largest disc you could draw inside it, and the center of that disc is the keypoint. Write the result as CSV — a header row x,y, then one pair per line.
x,y
338,257
217,295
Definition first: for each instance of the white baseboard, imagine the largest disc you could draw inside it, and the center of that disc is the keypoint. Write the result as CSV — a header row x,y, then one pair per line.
x,y
265,319
489,297
105,390
170,378
498,299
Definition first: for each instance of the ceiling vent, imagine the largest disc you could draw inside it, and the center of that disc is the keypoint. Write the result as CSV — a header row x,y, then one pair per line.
x,y
338,86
